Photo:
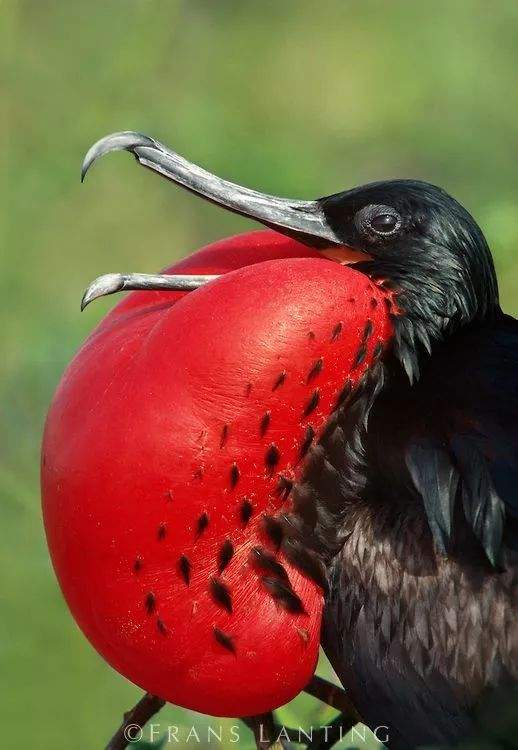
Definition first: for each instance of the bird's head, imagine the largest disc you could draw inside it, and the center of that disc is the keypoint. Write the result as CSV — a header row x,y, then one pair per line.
x,y
410,235
426,246
423,241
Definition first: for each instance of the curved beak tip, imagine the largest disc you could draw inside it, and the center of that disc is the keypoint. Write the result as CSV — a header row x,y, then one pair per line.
x,y
126,140
109,283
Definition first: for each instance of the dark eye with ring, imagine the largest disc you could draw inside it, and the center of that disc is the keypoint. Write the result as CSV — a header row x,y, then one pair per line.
x,y
384,223
378,221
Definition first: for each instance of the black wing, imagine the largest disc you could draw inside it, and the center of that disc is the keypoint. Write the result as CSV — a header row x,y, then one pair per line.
x,y
452,438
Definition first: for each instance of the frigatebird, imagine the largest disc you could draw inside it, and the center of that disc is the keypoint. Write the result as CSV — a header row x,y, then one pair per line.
x,y
411,498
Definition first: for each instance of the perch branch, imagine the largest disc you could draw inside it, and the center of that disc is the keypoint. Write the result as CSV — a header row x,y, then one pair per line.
x,y
138,716
334,696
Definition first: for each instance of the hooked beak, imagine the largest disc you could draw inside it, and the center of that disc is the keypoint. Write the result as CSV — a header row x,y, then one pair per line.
x,y
110,283
302,220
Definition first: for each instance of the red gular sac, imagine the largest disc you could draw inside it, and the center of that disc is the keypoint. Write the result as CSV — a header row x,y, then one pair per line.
x,y
172,441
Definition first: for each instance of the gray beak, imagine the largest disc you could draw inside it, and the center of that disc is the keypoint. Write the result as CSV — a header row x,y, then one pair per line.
x,y
111,283
303,220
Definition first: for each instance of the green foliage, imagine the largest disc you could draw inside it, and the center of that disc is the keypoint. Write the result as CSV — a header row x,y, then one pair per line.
x,y
296,98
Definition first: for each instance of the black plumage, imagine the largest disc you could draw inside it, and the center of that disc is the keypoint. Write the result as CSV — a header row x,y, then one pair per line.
x,y
246,510
411,495
220,593
309,436
225,555
265,423
150,602
224,639
283,593
274,530
235,473
315,370
337,332
268,563
284,487
306,560
202,523
312,403
185,567
272,457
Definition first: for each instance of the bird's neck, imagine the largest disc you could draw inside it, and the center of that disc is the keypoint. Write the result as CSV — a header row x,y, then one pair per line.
x,y
432,306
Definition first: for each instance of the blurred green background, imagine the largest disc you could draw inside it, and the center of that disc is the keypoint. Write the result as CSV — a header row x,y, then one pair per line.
x,y
295,97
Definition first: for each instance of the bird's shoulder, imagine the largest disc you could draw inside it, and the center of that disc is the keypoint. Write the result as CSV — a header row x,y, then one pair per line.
x,y
452,438
480,360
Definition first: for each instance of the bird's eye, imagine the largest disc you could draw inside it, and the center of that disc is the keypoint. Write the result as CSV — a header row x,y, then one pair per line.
x,y
384,223
378,221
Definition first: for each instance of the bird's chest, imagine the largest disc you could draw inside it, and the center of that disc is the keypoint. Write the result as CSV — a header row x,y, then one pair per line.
x,y
406,627
384,583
